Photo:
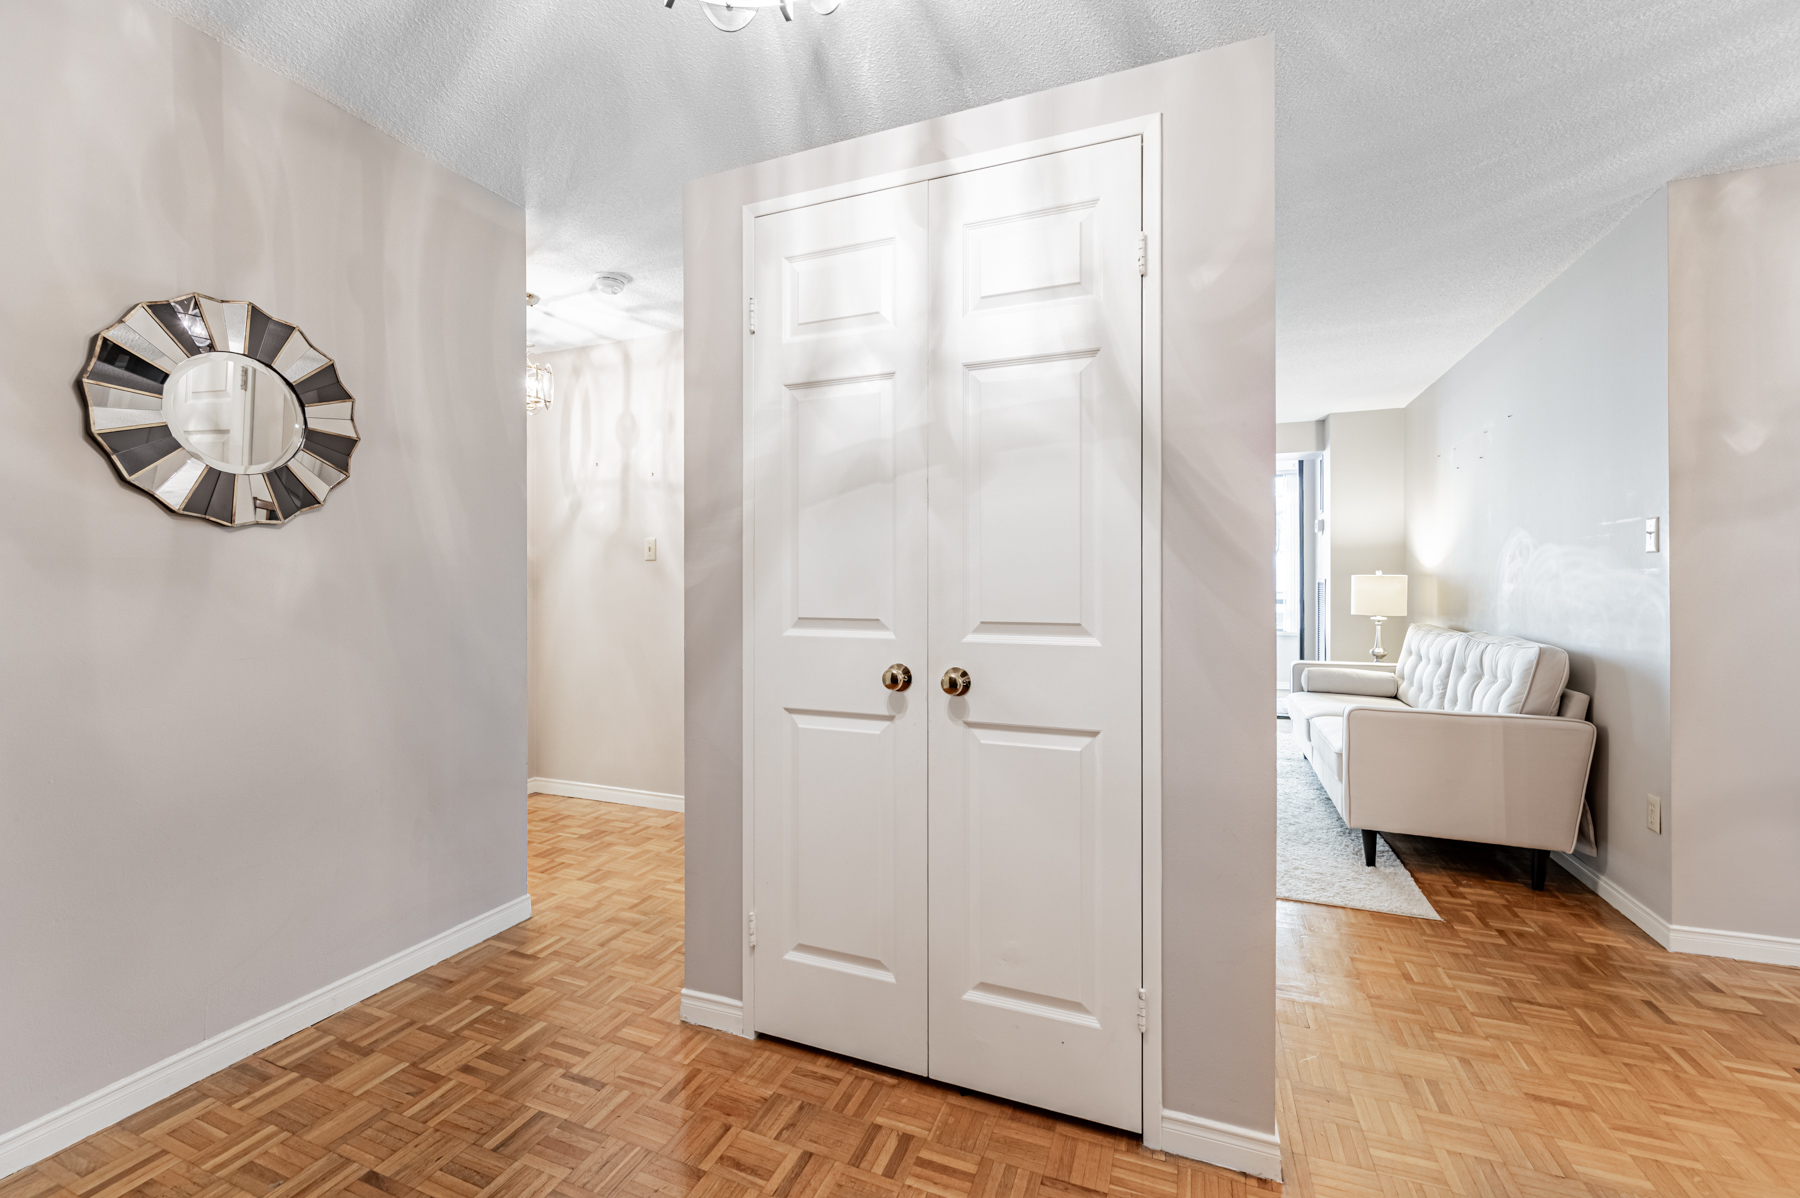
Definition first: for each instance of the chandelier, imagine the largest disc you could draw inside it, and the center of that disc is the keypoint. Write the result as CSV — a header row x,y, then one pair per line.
x,y
537,387
733,15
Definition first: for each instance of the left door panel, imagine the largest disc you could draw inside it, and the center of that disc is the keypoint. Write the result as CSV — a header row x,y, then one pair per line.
x,y
837,434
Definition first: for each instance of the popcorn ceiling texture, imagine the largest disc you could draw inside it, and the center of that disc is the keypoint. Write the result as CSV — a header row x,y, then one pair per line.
x,y
1438,161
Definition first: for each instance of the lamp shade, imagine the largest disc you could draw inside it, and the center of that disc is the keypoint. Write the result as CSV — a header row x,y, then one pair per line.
x,y
1378,594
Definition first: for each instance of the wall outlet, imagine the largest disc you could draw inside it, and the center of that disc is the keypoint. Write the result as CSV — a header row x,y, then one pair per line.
x,y
649,549
1653,813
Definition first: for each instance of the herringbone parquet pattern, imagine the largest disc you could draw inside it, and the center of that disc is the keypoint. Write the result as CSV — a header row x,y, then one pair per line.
x,y
549,1062
1531,1045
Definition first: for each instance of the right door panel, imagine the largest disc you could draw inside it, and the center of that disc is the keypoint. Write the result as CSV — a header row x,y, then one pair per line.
x,y
1035,534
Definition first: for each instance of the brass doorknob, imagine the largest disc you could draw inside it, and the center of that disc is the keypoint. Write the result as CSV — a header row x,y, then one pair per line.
x,y
956,681
896,677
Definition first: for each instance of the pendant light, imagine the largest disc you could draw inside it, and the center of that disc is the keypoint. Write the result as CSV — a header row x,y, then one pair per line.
x,y
538,384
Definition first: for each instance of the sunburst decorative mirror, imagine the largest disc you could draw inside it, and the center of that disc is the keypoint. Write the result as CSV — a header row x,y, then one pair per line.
x,y
219,410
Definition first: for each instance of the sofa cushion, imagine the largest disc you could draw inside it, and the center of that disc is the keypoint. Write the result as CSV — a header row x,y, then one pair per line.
x,y
1441,669
1308,705
1328,745
1305,706
1338,680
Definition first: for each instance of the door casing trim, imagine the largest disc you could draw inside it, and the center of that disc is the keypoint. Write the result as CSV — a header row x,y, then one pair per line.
x,y
1149,129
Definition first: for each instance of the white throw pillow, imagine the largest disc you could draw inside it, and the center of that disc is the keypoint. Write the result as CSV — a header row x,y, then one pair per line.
x,y
1335,681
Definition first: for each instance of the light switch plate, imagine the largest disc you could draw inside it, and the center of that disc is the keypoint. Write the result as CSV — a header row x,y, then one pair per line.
x,y
1652,534
1653,813
649,549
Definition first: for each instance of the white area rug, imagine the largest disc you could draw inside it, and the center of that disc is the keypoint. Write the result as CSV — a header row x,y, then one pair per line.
x,y
1318,859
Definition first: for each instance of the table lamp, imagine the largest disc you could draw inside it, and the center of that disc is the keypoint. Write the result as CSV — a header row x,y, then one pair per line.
x,y
1378,596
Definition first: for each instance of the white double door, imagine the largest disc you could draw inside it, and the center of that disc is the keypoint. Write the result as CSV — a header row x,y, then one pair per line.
x,y
946,459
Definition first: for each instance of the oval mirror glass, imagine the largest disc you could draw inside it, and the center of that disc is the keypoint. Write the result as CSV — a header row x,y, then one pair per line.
x,y
233,413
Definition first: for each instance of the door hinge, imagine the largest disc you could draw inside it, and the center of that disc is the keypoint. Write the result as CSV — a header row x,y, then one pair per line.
x,y
1143,253
752,929
753,316
1143,1014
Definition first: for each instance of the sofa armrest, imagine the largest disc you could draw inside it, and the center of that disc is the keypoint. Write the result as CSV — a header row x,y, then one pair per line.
x,y
1497,779
1300,667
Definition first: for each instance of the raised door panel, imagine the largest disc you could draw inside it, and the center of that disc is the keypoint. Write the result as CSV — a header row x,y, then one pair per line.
x,y
840,846
1029,258
1032,809
838,476
844,507
1029,561
839,290
1036,509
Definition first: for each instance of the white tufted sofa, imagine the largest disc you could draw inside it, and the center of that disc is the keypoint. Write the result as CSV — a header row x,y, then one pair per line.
x,y
1467,736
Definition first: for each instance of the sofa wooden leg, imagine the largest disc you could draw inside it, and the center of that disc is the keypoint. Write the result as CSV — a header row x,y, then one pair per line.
x,y
1540,868
1368,848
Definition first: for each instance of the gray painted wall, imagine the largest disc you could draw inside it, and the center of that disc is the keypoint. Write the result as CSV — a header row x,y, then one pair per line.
x,y
604,464
1302,436
237,765
1734,431
1365,522
1530,468
1218,526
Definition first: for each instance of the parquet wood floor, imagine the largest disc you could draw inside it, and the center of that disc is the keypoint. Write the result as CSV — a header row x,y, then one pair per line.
x,y
1531,1045
549,1062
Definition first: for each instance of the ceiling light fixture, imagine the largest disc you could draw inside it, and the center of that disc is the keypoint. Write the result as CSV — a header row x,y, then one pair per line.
x,y
612,282
733,15
538,384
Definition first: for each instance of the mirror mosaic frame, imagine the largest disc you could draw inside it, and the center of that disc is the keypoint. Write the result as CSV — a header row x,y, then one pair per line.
x,y
123,387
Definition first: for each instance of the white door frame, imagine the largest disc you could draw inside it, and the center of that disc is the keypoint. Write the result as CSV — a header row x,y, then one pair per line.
x,y
1149,128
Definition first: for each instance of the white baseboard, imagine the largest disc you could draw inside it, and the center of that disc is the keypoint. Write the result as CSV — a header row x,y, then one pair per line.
x,y
1679,938
1739,946
44,1137
713,1010
604,794
1257,1153
1619,899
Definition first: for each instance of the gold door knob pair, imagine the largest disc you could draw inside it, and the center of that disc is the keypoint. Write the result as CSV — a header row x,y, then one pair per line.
x,y
955,681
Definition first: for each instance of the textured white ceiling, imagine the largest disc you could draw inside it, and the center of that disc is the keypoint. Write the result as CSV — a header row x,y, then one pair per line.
x,y
1438,161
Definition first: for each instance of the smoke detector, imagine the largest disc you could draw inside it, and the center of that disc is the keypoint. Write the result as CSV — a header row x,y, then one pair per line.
x,y
612,282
